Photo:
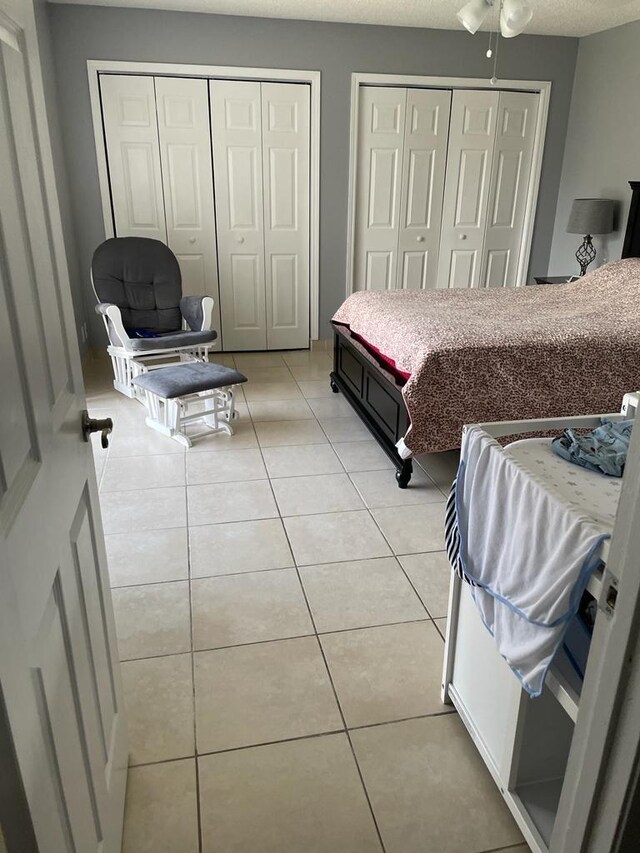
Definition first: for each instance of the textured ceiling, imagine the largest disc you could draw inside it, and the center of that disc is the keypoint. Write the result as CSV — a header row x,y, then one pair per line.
x,y
551,17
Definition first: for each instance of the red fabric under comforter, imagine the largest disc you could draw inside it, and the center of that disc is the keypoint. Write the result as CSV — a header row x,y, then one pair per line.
x,y
491,355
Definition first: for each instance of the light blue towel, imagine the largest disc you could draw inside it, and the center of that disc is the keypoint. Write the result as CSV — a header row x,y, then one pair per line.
x,y
603,449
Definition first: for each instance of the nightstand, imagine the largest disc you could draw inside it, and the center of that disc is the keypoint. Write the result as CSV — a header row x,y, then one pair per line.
x,y
551,279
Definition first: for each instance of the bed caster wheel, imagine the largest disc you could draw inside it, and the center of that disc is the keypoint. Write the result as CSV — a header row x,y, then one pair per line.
x,y
334,387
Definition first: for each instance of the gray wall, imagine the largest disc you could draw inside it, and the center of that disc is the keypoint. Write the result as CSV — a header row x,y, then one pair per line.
x,y
93,32
602,152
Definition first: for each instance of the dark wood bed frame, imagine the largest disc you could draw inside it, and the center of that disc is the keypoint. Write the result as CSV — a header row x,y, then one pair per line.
x,y
376,394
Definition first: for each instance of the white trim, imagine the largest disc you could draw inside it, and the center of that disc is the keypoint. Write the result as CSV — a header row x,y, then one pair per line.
x,y
542,87
99,66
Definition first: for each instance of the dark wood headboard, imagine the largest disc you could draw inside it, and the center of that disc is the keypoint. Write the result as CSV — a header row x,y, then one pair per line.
x,y
631,247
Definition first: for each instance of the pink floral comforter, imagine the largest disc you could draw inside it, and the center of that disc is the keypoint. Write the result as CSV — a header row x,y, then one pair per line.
x,y
491,355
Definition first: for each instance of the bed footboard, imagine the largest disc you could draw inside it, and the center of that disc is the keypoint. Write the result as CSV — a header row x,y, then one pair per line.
x,y
376,396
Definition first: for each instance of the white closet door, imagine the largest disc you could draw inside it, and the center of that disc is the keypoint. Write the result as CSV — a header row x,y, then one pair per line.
x,y
423,170
285,169
466,193
381,128
131,132
237,156
187,179
510,177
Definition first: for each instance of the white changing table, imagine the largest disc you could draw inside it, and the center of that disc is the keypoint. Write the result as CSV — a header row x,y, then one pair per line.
x,y
526,742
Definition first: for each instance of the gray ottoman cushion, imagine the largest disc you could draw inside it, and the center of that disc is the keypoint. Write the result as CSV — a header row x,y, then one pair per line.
x,y
183,379
178,339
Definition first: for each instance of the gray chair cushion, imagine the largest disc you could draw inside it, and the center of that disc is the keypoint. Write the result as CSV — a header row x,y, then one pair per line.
x,y
178,339
142,277
170,382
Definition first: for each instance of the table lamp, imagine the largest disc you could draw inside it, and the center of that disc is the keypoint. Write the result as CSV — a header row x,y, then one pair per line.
x,y
589,216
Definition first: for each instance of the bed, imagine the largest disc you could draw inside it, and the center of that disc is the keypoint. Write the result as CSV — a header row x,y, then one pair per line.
x,y
416,366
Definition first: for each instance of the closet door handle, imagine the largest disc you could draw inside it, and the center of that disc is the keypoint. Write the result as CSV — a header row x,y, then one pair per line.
x,y
420,238
192,239
462,236
240,239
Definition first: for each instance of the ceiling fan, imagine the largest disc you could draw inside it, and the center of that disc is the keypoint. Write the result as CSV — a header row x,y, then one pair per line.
x,y
514,15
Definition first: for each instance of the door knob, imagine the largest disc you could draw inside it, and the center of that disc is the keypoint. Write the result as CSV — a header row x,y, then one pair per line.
x,y
462,236
240,239
192,239
420,238
103,425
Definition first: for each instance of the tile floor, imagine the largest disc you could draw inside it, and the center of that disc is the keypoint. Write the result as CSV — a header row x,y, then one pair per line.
x,y
280,608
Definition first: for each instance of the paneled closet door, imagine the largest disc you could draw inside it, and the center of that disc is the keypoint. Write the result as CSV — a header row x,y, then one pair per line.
x,y
133,152
381,128
511,173
423,171
187,178
285,170
236,118
466,193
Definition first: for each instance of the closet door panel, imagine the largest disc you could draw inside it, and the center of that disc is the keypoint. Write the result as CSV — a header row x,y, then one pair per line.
x,y
133,152
381,131
187,176
285,169
466,192
423,172
236,125
511,173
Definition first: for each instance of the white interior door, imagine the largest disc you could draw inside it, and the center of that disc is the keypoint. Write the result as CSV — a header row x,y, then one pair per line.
x,y
466,192
133,152
510,176
187,180
381,128
285,171
236,125
59,675
423,171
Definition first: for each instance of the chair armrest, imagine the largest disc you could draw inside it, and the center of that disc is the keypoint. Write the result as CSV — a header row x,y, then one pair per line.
x,y
113,321
196,311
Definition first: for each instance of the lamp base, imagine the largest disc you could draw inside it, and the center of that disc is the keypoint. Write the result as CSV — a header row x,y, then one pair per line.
x,y
585,254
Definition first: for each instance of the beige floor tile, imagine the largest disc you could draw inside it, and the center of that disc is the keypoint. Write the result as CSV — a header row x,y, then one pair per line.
x,y
248,608
414,529
159,700
267,374
244,437
150,556
430,789
301,461
263,411
262,693
363,456
225,358
306,372
245,546
388,673
140,440
345,429
441,625
144,472
279,433
335,536
311,495
335,406
360,594
299,797
235,465
144,509
217,503
161,812
314,389
257,359
152,619
441,467
430,574
302,357
264,391
380,489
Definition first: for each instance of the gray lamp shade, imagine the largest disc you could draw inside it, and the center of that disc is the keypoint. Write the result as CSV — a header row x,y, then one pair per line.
x,y
591,216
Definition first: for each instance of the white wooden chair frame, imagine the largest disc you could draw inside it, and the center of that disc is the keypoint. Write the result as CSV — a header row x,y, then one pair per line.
x,y
216,409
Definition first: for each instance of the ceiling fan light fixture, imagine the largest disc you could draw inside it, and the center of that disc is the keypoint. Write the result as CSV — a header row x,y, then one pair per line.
x,y
514,17
472,15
